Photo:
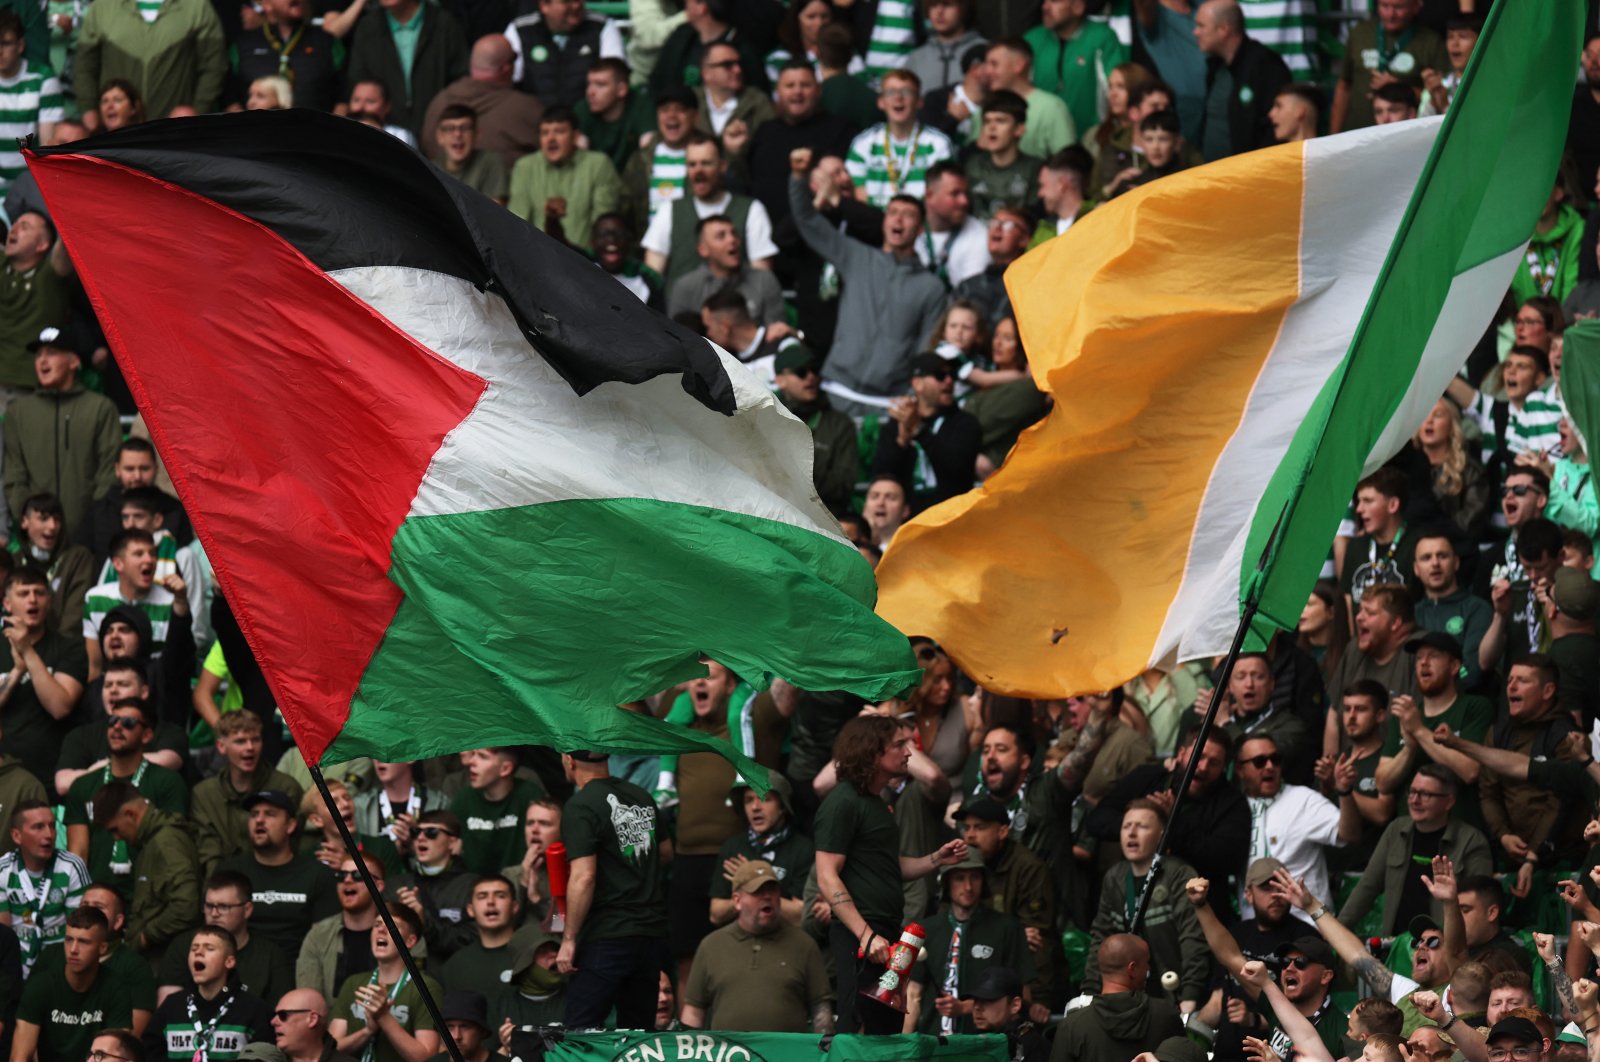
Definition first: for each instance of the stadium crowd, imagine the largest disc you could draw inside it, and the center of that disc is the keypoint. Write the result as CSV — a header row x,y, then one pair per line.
x,y
1389,849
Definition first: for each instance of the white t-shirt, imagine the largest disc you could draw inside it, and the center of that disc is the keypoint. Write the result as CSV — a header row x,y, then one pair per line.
x,y
757,228
1294,827
965,253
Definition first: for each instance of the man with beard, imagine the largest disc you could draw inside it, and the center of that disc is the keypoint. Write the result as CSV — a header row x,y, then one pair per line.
x,y
771,838
1412,740
611,244
1293,823
759,973
1272,936
1384,623
340,945
670,241
1211,831
290,892
721,266
1446,606
971,939
1431,966
1406,849
288,44
1529,822
1019,884
932,443
1364,715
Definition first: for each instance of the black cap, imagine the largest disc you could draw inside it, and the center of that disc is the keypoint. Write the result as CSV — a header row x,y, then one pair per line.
x,y
1179,1049
1314,948
50,336
1422,923
1519,1029
997,982
466,1005
984,809
586,756
777,784
1435,640
678,94
276,797
930,364
794,357
973,56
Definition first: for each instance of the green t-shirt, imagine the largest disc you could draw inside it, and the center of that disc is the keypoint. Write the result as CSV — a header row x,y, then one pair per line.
x,y
616,822
110,862
1331,1021
492,830
123,965
861,827
407,1008
1469,716
68,1020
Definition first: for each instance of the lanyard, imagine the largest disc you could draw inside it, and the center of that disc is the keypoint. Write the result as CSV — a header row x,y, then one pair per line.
x,y
889,158
1259,806
1130,897
771,840
940,261
205,1035
386,808
1388,553
405,978
1385,52
35,917
121,862
285,49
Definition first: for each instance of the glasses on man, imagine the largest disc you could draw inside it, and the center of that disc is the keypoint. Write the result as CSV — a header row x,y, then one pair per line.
x,y
222,908
1270,759
1520,490
1299,962
346,875
1433,943
939,374
726,64
1521,1052
285,1015
1423,794
124,722
432,832
98,1055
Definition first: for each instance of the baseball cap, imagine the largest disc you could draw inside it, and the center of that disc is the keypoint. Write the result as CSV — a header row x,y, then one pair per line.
x,y
1519,1029
794,357
1261,871
1314,948
1571,1034
261,1051
1421,924
466,1005
276,797
680,94
984,809
585,756
752,875
1435,640
997,982
1576,595
50,336
780,788
930,364
1179,1049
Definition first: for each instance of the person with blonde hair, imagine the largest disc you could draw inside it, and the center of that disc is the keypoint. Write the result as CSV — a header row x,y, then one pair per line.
x,y
271,93
1460,484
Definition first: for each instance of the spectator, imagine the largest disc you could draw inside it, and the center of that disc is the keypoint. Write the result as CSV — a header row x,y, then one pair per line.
x,y
262,968
369,103
39,885
932,444
1387,49
1018,881
290,46
30,97
541,828
33,296
456,134
760,972
1460,486
35,34
438,886
128,734
562,189
384,1009
1394,102
42,427
1297,112
1123,1019
772,838
133,559
1382,554
1364,715
1384,623
682,60
1481,903
892,158
885,507
69,568
137,466
1006,237
970,940
1551,264
1251,707
485,963
1439,86
1437,658
49,1016
415,51
658,172
340,945
1294,823
612,244
1050,126
290,892
120,106
1446,606
616,910
956,109
835,457
800,37
1583,131
1527,820
1243,77
1072,57
613,116
300,1028
142,509
859,868
271,93
954,244
1161,141
490,808
189,1022
670,241
997,1007
937,61
1144,99
1525,420
507,120
1063,191
1570,612
555,47
1520,623
1166,31
221,803
800,123
120,961
1574,498
537,994
998,173
730,109
38,711
173,53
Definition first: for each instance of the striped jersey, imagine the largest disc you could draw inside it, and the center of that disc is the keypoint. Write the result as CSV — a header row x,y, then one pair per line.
x,y
886,167
166,558
38,906
1533,427
892,38
669,170
26,101
156,605
149,9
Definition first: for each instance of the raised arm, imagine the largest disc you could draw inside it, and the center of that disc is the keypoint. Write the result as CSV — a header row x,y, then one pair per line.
x,y
1307,1041
1218,939
1338,936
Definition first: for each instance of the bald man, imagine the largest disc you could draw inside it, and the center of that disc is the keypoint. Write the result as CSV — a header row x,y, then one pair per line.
x,y
300,1028
1122,1020
508,120
1243,77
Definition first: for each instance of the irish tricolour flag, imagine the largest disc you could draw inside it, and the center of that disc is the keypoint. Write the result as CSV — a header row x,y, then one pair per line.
x,y
1229,349
460,486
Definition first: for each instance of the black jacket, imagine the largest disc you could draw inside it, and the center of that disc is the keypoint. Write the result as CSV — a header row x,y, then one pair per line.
x,y
441,58
1211,832
951,442
1258,73
556,75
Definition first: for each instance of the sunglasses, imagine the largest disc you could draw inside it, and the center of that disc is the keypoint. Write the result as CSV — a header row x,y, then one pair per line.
x,y
1270,759
1431,943
433,832
939,374
1299,962
1520,490
285,1015
122,722
347,875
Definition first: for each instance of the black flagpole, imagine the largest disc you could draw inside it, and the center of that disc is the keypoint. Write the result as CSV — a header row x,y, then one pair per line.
x,y
452,1048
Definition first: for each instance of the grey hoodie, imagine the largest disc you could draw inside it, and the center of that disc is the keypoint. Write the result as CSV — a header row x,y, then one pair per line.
x,y
937,63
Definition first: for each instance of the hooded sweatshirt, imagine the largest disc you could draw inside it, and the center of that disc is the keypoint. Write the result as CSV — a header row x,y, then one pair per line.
x,y
62,443
166,881
1115,1028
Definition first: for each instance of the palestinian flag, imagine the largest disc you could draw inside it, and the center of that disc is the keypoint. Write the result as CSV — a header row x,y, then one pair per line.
x,y
461,487
1230,349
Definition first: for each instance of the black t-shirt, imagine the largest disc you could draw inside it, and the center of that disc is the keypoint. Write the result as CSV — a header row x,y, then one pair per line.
x,y
288,899
228,1022
69,1020
861,827
31,733
356,955
616,822
1414,897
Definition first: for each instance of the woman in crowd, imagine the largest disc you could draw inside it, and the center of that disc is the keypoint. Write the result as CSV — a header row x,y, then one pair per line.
x,y
1460,484
1007,401
1116,131
120,105
270,94
1324,629
797,36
